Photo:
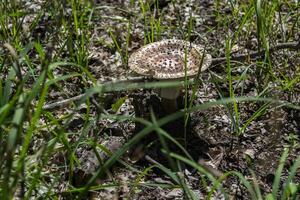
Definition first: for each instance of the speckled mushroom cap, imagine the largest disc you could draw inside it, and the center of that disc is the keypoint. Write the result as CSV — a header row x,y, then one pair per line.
x,y
166,59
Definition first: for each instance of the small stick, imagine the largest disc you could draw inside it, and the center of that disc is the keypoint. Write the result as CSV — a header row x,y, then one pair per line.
x,y
63,103
290,45
152,161
66,102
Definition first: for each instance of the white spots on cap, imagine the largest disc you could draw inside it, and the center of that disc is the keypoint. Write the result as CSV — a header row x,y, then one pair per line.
x,y
166,59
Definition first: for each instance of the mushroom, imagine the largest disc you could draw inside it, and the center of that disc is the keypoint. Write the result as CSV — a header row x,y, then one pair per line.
x,y
165,61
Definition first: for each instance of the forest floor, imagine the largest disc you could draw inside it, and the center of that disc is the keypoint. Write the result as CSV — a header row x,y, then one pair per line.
x,y
86,45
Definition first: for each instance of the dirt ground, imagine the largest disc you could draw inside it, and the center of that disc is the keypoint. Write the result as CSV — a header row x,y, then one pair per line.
x,y
212,138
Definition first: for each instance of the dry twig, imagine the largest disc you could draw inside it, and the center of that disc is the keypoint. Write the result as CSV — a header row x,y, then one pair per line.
x,y
290,45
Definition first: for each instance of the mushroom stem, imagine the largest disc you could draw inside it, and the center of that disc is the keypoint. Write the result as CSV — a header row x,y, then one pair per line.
x,y
170,105
169,99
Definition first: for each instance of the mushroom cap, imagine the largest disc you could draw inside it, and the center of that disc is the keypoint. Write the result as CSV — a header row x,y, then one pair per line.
x,y
166,59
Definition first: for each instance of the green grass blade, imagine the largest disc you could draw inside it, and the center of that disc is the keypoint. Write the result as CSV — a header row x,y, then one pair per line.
x,y
6,92
292,173
276,183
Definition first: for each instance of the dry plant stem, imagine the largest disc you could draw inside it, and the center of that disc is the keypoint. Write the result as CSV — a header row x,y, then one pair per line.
x,y
215,172
290,45
14,55
63,103
152,161
66,102
99,107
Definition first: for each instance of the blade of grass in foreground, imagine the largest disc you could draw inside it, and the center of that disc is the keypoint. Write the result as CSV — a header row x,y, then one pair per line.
x,y
246,183
186,189
6,91
256,186
15,134
278,173
233,111
292,173
47,151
